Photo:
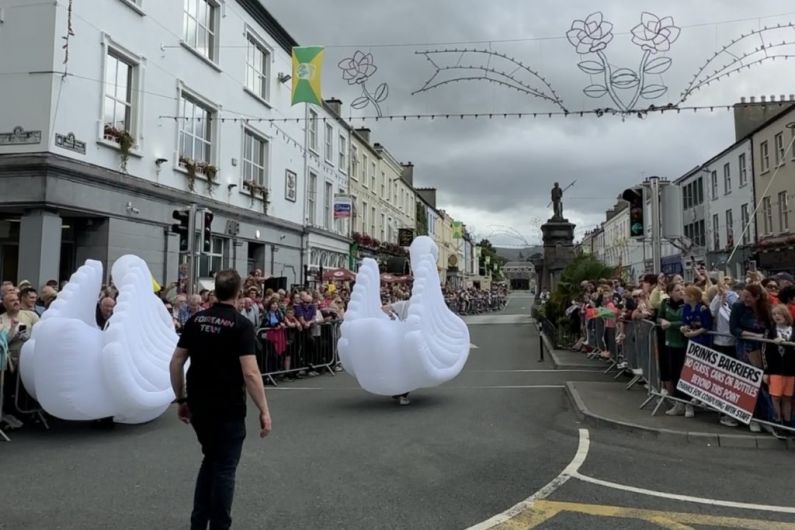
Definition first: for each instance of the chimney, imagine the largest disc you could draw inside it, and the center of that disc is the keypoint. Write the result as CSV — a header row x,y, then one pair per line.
x,y
772,98
763,99
408,173
792,97
364,132
753,99
742,99
335,105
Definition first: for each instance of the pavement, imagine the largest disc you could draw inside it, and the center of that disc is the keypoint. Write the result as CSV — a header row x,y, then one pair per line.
x,y
501,446
610,404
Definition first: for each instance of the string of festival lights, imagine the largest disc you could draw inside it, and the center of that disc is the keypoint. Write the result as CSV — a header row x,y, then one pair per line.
x,y
600,112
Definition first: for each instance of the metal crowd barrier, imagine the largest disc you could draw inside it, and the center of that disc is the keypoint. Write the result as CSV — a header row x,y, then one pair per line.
x,y
2,404
301,350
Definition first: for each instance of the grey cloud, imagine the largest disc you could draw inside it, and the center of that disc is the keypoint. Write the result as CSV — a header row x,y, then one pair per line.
x,y
508,166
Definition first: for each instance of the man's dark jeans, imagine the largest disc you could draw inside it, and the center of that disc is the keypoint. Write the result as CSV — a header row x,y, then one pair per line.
x,y
222,442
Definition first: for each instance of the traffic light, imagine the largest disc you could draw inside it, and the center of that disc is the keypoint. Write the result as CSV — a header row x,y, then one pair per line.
x,y
182,228
637,224
207,231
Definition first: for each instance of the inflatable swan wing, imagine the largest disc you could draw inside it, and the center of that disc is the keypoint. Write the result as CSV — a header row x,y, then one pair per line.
x,y
78,372
390,357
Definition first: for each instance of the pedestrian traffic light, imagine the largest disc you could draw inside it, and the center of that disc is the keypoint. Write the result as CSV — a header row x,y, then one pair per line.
x,y
637,225
182,228
207,231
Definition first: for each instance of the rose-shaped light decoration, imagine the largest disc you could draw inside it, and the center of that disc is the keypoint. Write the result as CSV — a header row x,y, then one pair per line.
x,y
655,34
590,35
357,69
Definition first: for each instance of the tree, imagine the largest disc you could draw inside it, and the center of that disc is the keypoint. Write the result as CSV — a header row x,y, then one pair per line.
x,y
585,267
488,250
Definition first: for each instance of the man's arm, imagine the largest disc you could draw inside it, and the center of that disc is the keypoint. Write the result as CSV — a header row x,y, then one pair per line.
x,y
255,388
177,371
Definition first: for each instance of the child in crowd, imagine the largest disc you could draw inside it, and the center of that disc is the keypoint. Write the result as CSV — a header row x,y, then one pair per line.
x,y
780,365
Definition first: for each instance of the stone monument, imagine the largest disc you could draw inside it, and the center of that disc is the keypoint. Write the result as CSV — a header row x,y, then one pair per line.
x,y
558,235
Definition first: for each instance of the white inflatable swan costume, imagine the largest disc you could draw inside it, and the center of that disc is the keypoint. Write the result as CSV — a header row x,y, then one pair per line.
x,y
389,357
77,371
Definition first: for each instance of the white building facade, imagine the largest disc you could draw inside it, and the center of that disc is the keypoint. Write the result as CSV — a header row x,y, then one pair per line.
x,y
98,152
730,206
328,166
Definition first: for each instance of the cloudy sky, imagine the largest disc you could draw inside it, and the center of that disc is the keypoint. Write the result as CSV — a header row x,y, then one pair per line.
x,y
495,175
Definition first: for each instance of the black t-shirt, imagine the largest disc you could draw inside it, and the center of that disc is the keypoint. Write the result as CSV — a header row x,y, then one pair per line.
x,y
216,339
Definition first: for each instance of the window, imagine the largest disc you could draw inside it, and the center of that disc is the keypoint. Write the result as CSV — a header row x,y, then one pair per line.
x,y
389,230
792,152
729,228
744,219
354,162
195,131
313,130
743,170
364,216
780,149
715,232
118,108
200,27
372,222
383,227
685,197
329,143
372,176
700,193
328,207
763,147
383,186
258,60
255,159
714,180
343,147
214,261
783,212
767,213
701,235
727,179
311,205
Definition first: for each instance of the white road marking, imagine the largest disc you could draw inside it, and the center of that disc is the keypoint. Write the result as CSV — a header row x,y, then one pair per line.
x,y
540,371
685,498
571,470
448,387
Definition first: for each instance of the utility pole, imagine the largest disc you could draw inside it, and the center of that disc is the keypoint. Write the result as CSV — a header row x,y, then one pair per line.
x,y
656,239
192,261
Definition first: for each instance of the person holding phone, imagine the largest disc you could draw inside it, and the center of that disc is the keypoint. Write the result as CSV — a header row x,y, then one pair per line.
x,y
17,323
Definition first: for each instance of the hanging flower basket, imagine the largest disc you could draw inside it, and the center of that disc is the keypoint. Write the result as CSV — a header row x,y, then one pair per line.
x,y
124,139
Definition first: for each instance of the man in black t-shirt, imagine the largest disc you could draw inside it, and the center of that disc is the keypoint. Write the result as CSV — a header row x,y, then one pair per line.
x,y
220,345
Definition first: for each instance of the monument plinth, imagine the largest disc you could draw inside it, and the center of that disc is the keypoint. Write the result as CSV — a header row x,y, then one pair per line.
x,y
558,237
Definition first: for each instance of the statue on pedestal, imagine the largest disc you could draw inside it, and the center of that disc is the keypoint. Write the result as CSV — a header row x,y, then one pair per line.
x,y
557,204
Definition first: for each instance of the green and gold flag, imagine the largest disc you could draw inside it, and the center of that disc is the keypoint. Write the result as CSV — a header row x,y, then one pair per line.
x,y
307,68
458,229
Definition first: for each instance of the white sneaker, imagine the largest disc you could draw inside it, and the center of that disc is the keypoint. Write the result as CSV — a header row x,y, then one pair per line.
x,y
689,412
755,427
677,410
404,400
728,421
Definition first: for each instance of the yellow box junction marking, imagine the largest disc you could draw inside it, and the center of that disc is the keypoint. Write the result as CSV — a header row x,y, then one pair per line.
x,y
542,511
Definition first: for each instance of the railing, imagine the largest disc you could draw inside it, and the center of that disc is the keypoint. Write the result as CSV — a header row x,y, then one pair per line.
x,y
476,306
293,353
637,354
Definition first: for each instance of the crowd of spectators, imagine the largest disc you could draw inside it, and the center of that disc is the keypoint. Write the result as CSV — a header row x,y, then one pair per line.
x,y
750,320
471,301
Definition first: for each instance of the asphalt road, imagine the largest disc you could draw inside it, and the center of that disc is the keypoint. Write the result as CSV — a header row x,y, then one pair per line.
x,y
341,458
